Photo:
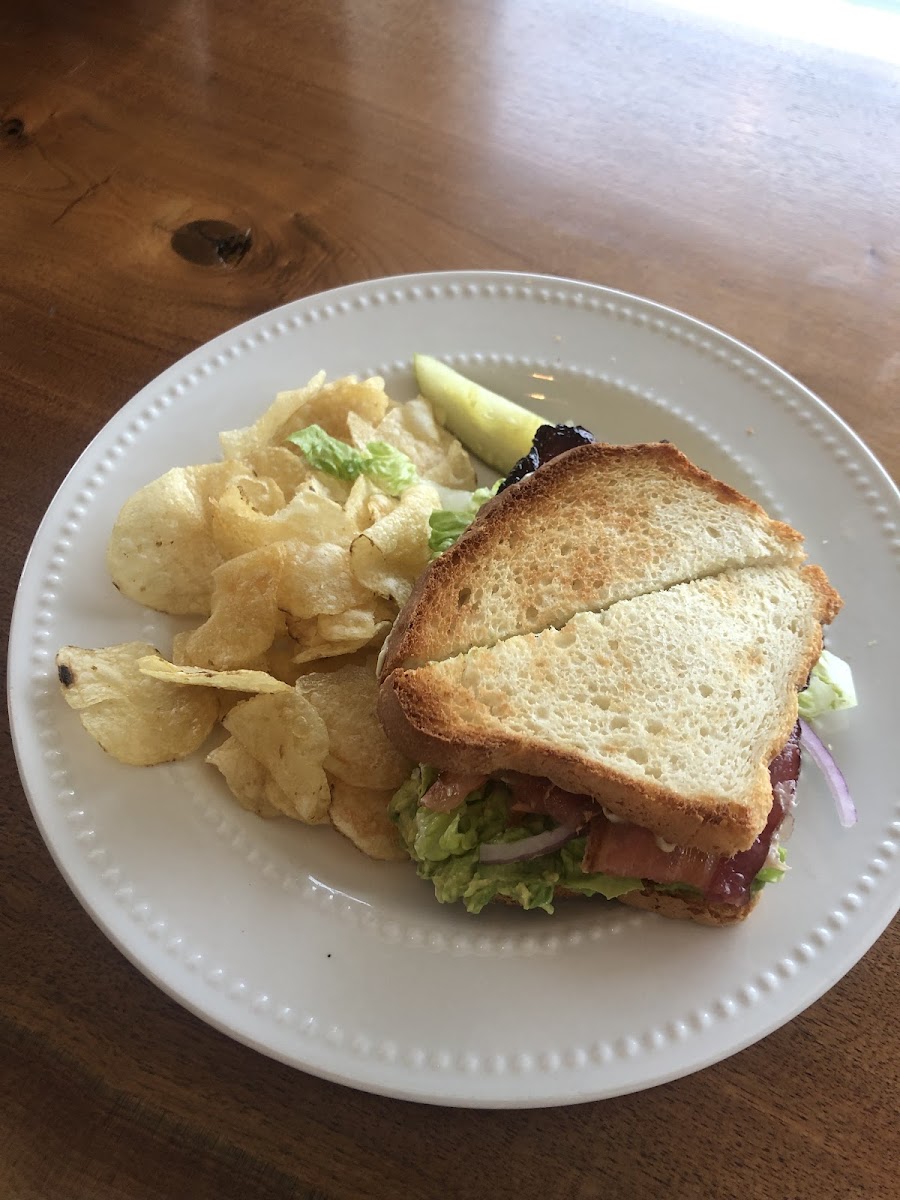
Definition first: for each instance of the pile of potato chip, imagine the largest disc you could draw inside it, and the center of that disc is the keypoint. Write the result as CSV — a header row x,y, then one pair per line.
x,y
298,576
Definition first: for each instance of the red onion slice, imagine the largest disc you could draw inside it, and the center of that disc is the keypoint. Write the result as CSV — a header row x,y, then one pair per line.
x,y
821,756
526,848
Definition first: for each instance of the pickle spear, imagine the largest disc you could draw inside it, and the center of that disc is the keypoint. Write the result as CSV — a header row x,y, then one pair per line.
x,y
495,429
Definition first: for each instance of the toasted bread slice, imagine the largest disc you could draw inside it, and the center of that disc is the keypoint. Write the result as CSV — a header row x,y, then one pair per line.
x,y
689,908
667,707
596,525
665,904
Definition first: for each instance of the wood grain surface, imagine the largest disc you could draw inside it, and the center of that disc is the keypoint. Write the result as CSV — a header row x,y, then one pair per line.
x,y
749,181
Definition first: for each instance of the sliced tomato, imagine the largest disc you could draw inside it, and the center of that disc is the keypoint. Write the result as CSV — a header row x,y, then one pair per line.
x,y
734,877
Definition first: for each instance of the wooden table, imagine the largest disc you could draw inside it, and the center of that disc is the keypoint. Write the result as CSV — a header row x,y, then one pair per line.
x,y
748,181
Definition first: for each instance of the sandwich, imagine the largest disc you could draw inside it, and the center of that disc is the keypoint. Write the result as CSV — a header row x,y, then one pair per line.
x,y
599,682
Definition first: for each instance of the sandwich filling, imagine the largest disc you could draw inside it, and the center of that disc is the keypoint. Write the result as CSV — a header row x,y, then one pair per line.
x,y
454,825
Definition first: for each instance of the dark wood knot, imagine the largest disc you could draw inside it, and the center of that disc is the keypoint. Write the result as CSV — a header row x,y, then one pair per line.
x,y
212,243
12,128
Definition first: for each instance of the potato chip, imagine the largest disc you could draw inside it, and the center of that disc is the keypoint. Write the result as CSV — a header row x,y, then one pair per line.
x,y
355,623
332,405
436,453
287,659
344,633
367,503
287,736
249,781
263,432
227,699
319,403
356,506
384,609
254,682
179,654
136,719
380,505
357,746
285,465
246,778
325,666
389,555
181,657
319,649
318,580
329,486
245,618
161,551
361,814
238,527
280,660
313,650
361,431
262,492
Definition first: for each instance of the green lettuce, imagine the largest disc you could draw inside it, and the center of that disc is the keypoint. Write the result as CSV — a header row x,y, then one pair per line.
x,y
448,524
326,453
830,688
772,874
678,889
390,468
445,848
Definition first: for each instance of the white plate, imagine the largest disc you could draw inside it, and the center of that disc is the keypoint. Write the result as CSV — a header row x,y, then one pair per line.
x,y
288,939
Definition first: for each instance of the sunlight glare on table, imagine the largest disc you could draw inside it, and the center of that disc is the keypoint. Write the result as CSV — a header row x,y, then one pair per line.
x,y
867,27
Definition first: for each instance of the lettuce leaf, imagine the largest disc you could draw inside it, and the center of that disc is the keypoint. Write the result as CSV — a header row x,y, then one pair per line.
x,y
390,468
448,525
677,889
326,453
772,874
829,689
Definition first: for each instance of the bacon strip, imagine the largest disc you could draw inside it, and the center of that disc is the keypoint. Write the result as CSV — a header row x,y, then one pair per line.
x,y
531,794
450,789
631,851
